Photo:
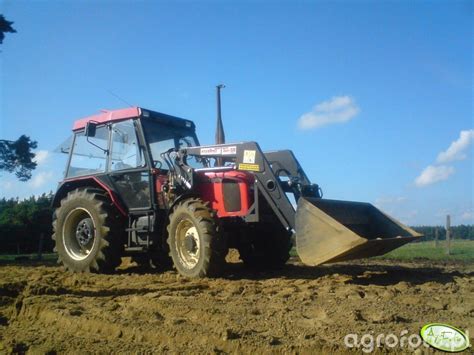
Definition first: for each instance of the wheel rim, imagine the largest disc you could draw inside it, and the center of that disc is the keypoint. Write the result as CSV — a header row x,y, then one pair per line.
x,y
188,244
79,234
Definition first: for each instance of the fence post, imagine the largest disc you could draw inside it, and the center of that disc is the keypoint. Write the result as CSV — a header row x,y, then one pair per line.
x,y
436,236
40,247
448,234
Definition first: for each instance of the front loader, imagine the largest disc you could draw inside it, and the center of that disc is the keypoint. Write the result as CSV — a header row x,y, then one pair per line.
x,y
138,183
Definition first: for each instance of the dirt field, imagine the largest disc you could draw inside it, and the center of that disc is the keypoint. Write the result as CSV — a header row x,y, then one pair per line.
x,y
295,310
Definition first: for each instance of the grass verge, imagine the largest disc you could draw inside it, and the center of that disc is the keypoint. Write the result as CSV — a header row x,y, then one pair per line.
x,y
461,250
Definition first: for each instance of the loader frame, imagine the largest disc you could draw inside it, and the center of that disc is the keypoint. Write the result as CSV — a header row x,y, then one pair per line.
x,y
265,167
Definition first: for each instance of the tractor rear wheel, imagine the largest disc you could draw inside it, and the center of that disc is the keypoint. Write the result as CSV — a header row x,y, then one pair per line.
x,y
265,246
196,244
87,232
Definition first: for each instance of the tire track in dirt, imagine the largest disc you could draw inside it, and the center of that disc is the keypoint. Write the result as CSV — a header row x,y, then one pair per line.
x,y
297,309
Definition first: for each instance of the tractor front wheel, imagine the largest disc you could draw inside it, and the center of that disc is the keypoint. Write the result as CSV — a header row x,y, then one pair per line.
x,y
195,242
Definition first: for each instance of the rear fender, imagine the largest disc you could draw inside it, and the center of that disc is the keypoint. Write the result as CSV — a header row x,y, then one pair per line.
x,y
91,181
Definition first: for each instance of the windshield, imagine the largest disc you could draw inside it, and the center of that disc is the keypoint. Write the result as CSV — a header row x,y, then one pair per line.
x,y
89,158
162,137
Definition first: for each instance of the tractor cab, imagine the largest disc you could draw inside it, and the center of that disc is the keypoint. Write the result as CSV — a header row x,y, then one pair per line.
x,y
115,141
123,149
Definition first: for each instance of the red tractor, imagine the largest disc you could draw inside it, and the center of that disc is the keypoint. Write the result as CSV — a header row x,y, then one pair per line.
x,y
138,183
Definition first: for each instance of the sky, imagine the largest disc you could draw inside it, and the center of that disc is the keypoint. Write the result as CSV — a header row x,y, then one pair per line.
x,y
375,98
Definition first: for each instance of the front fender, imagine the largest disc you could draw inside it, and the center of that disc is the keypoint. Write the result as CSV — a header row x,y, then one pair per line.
x,y
182,198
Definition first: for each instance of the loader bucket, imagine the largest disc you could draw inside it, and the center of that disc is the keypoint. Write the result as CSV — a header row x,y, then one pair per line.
x,y
332,231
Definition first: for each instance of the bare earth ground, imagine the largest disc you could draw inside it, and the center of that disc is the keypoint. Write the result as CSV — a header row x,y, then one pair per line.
x,y
295,310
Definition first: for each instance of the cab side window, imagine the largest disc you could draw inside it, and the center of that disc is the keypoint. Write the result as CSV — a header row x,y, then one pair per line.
x,y
126,152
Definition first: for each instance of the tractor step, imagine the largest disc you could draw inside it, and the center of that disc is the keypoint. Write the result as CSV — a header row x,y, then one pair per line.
x,y
138,230
135,249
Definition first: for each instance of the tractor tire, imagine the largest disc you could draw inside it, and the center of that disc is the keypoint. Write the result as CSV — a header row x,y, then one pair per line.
x,y
88,232
265,246
195,242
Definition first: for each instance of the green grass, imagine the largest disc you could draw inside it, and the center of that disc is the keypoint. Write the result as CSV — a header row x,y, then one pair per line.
x,y
12,258
460,250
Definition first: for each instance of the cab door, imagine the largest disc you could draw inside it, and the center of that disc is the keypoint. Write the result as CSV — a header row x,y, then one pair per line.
x,y
127,167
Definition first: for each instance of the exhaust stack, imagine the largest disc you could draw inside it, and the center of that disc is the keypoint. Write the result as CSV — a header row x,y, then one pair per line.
x,y
220,136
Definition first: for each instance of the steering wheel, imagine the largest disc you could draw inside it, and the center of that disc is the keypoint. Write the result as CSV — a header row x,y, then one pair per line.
x,y
120,165
184,143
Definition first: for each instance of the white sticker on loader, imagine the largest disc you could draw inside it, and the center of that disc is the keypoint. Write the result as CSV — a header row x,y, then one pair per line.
x,y
249,157
211,151
229,150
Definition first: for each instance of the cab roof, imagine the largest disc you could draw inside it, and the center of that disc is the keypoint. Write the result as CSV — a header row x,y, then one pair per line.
x,y
106,116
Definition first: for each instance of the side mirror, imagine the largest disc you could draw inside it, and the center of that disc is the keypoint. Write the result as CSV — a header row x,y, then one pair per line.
x,y
91,127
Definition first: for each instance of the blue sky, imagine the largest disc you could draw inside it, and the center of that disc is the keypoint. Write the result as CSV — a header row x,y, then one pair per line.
x,y
374,98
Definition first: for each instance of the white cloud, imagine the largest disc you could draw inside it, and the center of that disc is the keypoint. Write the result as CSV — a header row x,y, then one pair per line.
x,y
409,215
384,200
456,150
40,179
389,201
433,174
41,156
339,109
467,216
6,185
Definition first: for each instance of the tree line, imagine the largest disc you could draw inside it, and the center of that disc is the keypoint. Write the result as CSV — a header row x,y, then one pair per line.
x,y
462,231
23,223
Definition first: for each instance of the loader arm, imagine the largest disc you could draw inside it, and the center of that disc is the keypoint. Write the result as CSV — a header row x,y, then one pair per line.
x,y
285,161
